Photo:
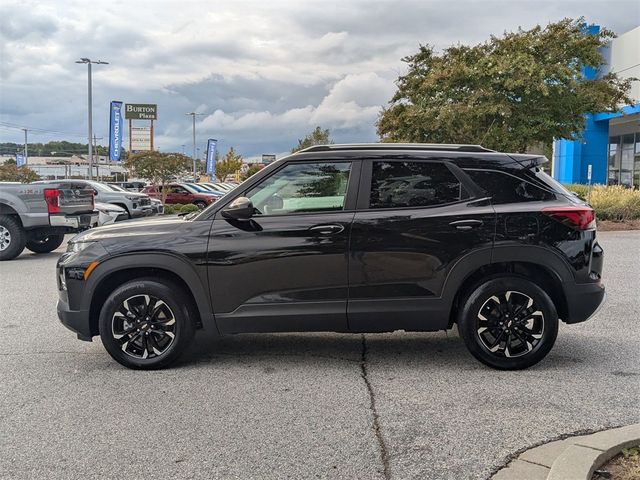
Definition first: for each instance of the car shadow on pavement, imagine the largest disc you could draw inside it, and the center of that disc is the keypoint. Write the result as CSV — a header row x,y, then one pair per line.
x,y
408,350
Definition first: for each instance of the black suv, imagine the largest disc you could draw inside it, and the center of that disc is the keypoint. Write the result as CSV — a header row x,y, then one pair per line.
x,y
349,238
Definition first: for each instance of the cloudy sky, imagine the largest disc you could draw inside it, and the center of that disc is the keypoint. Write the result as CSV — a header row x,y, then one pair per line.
x,y
263,73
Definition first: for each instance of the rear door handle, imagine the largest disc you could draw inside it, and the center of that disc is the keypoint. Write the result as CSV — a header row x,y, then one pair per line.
x,y
327,229
465,225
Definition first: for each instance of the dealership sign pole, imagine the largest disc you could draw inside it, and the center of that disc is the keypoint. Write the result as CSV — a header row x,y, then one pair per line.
x,y
115,131
211,158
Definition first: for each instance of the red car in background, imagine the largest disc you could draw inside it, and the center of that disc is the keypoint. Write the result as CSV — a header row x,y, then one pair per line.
x,y
180,194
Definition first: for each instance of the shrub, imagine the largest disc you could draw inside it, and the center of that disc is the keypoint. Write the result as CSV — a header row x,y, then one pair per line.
x,y
615,202
172,209
611,202
579,189
188,208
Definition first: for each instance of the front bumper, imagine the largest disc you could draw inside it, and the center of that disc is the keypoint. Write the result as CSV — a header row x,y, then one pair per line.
x,y
76,321
583,301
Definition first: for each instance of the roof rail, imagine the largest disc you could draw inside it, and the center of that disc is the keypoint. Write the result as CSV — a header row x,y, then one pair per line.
x,y
451,147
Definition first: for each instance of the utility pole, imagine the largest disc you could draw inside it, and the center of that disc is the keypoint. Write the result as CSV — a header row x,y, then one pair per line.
x,y
193,116
88,61
26,148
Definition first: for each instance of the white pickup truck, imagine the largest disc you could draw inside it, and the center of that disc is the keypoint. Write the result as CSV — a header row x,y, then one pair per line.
x,y
37,216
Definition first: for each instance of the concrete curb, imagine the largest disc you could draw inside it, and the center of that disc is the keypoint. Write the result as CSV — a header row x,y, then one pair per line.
x,y
574,458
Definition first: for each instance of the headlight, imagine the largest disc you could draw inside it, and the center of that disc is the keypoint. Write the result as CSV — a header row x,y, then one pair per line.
x,y
76,247
132,198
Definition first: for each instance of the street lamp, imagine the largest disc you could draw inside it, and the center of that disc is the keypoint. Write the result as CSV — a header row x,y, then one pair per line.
x,y
195,155
88,61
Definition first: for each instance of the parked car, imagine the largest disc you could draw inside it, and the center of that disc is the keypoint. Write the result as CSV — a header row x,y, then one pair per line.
x,y
136,204
133,186
157,206
109,214
38,216
319,241
198,188
178,193
217,187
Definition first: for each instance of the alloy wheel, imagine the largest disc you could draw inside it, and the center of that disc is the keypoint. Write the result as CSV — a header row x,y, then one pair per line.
x,y
5,238
144,326
510,324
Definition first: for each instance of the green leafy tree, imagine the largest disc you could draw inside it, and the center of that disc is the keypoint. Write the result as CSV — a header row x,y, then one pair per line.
x,y
317,137
158,167
9,172
510,93
229,164
252,170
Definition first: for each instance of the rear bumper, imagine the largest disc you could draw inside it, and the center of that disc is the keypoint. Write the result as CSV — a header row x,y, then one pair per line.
x,y
583,301
76,321
73,222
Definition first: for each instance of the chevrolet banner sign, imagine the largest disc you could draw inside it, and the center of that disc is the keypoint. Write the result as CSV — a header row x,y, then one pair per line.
x,y
141,111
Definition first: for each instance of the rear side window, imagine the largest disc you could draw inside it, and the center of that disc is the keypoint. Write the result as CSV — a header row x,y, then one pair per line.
x,y
413,184
505,188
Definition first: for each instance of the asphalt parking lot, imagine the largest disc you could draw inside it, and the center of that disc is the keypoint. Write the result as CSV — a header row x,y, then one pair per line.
x,y
401,405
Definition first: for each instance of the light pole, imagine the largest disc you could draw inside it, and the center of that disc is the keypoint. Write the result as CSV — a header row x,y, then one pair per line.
x,y
193,116
88,61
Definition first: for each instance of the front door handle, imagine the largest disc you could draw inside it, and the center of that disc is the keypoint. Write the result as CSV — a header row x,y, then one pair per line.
x,y
327,229
465,225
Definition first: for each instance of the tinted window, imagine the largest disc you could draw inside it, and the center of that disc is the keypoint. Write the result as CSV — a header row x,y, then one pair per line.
x,y
302,187
505,188
413,184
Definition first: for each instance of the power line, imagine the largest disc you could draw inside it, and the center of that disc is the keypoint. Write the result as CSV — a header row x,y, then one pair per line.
x,y
39,130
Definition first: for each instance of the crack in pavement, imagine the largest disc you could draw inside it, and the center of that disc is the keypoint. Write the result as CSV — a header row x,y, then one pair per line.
x,y
377,429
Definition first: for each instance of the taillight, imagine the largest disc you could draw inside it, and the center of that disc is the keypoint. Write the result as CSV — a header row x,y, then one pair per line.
x,y
581,218
52,197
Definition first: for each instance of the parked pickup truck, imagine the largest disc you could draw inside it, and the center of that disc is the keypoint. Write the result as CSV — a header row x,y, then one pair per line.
x,y
37,216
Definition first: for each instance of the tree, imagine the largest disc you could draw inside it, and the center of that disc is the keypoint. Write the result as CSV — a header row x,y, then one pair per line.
x,y
159,168
9,172
252,170
317,137
229,165
509,93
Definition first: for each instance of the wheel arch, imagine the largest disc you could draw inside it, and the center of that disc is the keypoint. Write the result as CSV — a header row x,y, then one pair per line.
x,y
537,264
111,273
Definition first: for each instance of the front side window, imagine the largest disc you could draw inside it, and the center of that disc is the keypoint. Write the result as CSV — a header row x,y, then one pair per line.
x,y
302,188
413,184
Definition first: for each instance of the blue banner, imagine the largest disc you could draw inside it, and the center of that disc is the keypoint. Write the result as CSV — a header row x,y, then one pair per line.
x,y
19,159
211,157
115,131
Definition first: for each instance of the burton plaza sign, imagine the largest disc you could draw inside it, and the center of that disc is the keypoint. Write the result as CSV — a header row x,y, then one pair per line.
x,y
141,111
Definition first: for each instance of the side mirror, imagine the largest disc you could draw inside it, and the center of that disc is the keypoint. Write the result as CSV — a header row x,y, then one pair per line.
x,y
240,209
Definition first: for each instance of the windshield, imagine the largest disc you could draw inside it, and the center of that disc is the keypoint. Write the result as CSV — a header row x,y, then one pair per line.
x,y
100,186
116,188
198,188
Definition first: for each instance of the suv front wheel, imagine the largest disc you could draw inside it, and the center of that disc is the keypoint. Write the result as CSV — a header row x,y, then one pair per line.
x,y
147,323
508,323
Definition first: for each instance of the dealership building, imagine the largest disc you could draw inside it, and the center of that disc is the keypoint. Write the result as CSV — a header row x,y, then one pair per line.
x,y
610,143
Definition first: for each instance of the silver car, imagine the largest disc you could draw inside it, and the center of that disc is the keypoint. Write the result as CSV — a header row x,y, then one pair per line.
x,y
136,204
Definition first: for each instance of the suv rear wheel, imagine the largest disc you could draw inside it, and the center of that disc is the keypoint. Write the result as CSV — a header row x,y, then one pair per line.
x,y
508,323
147,323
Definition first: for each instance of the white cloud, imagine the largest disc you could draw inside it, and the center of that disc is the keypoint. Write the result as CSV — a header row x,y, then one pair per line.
x,y
264,73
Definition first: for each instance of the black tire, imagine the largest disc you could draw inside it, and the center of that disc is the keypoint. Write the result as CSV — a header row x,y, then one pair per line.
x,y
12,239
200,204
128,349
46,244
527,330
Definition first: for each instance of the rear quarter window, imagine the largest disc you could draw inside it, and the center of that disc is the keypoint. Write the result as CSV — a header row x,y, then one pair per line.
x,y
503,187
